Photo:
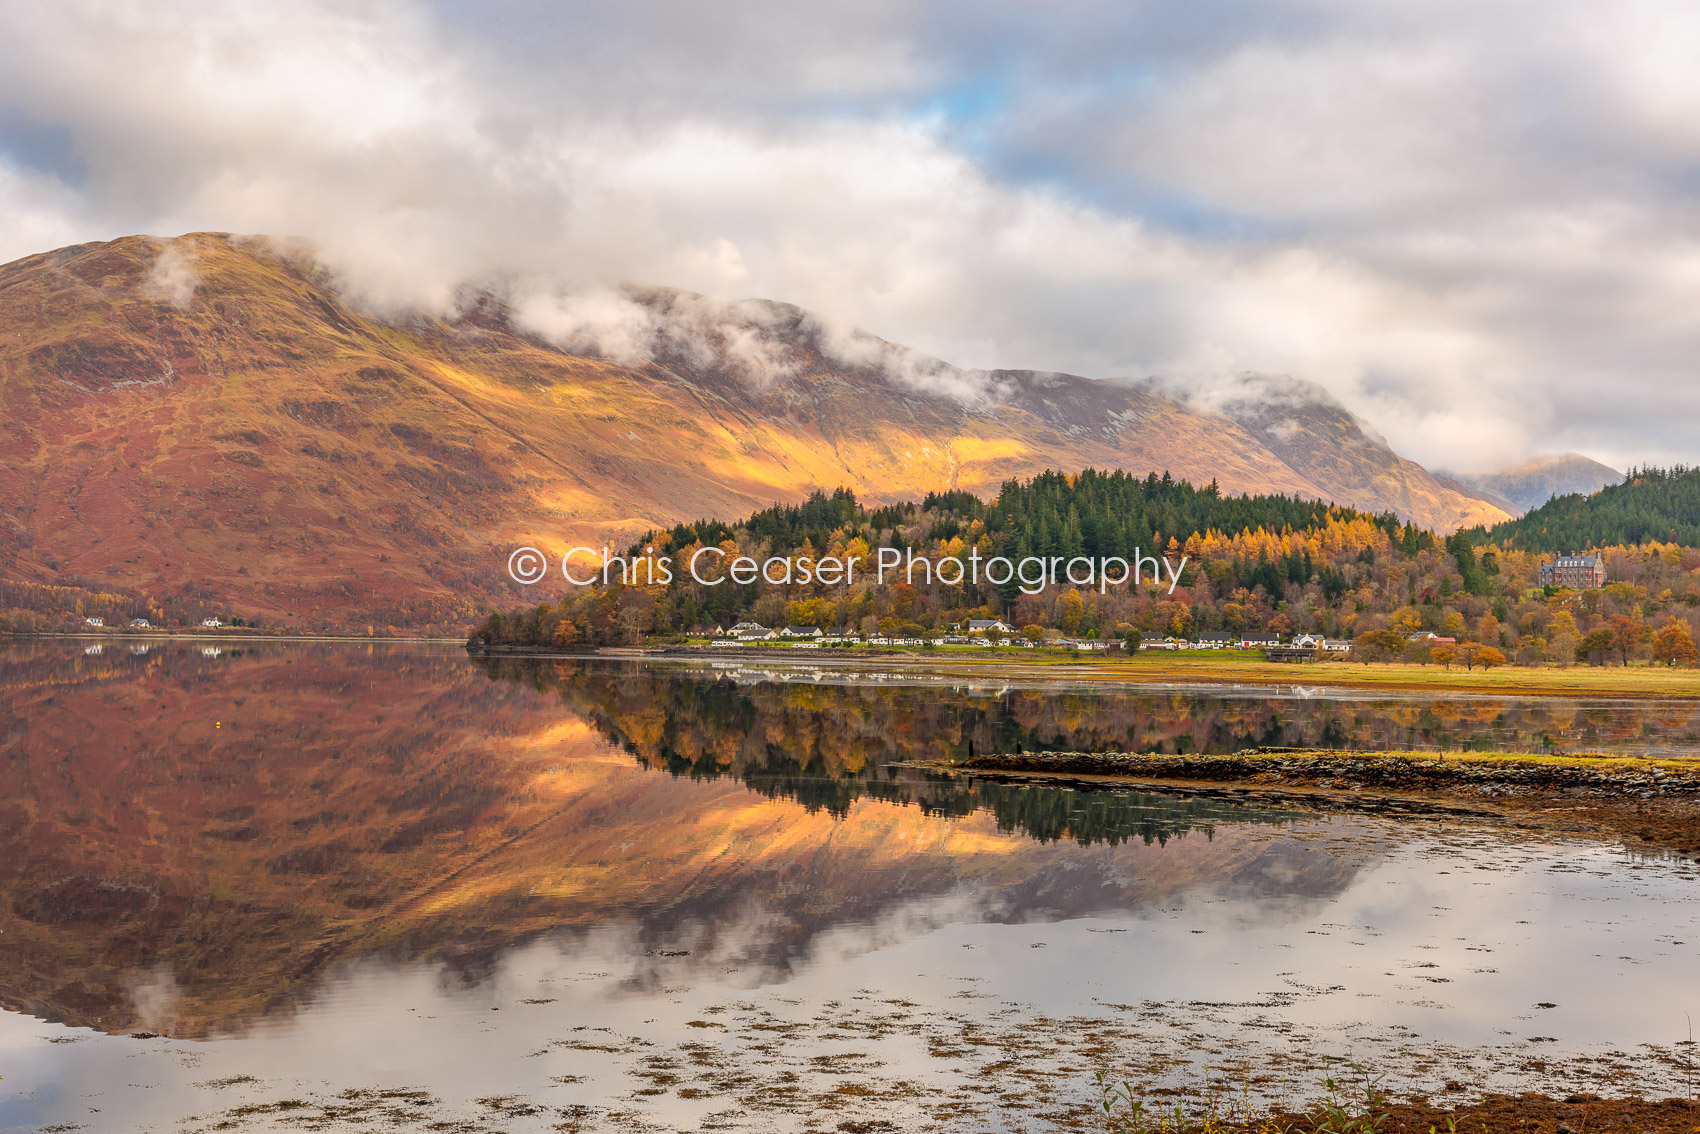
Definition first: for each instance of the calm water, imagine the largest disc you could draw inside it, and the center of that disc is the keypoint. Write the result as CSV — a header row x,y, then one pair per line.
x,y
305,886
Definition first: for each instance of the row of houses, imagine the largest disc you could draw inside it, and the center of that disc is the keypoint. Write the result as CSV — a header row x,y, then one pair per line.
x,y
1212,640
973,632
143,624
986,632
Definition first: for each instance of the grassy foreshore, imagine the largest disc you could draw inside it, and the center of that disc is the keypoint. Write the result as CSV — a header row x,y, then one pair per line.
x,y
1502,1114
1367,1112
1354,1100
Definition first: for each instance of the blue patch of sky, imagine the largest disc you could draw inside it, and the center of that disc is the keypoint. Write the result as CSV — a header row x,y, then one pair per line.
x,y
987,66
41,147
972,115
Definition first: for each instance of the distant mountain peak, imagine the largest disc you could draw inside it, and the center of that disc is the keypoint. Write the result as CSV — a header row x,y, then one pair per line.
x,y
1529,485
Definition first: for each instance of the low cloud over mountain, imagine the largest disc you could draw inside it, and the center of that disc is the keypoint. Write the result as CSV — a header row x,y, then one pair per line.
x,y
1473,224
211,416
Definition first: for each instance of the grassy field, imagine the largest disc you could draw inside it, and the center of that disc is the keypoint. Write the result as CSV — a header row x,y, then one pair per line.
x,y
1249,668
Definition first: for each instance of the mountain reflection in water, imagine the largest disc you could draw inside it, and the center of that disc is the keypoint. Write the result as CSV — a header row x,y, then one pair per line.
x,y
825,746
238,823
553,889
246,817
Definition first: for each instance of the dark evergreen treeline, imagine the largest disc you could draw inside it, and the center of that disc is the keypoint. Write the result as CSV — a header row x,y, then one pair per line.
x,y
1092,513
1097,513
787,525
1651,505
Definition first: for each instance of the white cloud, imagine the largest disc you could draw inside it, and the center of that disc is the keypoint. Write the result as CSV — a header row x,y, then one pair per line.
x,y
173,277
36,212
1473,222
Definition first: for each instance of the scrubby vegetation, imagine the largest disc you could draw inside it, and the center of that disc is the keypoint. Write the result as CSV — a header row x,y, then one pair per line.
x,y
1350,1101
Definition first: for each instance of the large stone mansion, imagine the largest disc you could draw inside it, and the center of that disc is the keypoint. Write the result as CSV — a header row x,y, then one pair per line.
x,y
1576,571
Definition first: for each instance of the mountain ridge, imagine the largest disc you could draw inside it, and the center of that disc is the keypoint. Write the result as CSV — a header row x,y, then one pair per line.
x,y
234,430
1530,485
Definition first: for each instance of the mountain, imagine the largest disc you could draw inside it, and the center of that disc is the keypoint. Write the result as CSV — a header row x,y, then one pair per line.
x,y
1650,505
1531,485
207,420
1314,435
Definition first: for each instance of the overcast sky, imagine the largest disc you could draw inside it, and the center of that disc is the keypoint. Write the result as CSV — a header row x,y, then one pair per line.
x,y
1474,221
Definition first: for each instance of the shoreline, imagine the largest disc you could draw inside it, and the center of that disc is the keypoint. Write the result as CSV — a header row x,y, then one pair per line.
x,y
1635,682
138,636
1643,802
1495,1114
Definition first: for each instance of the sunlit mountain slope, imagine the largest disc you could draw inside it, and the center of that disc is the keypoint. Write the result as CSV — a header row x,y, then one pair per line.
x,y
208,418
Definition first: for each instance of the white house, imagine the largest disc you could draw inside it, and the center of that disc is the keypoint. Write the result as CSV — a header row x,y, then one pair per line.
x,y
1216,640
987,625
140,624
1336,645
1308,642
1259,641
759,634
742,628
96,622
211,623
800,632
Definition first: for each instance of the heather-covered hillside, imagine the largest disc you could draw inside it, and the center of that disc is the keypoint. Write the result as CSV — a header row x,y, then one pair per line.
x,y
206,425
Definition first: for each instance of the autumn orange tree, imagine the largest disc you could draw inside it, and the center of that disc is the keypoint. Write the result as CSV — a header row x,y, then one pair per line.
x,y
1596,643
1377,645
1627,632
1673,645
1473,654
